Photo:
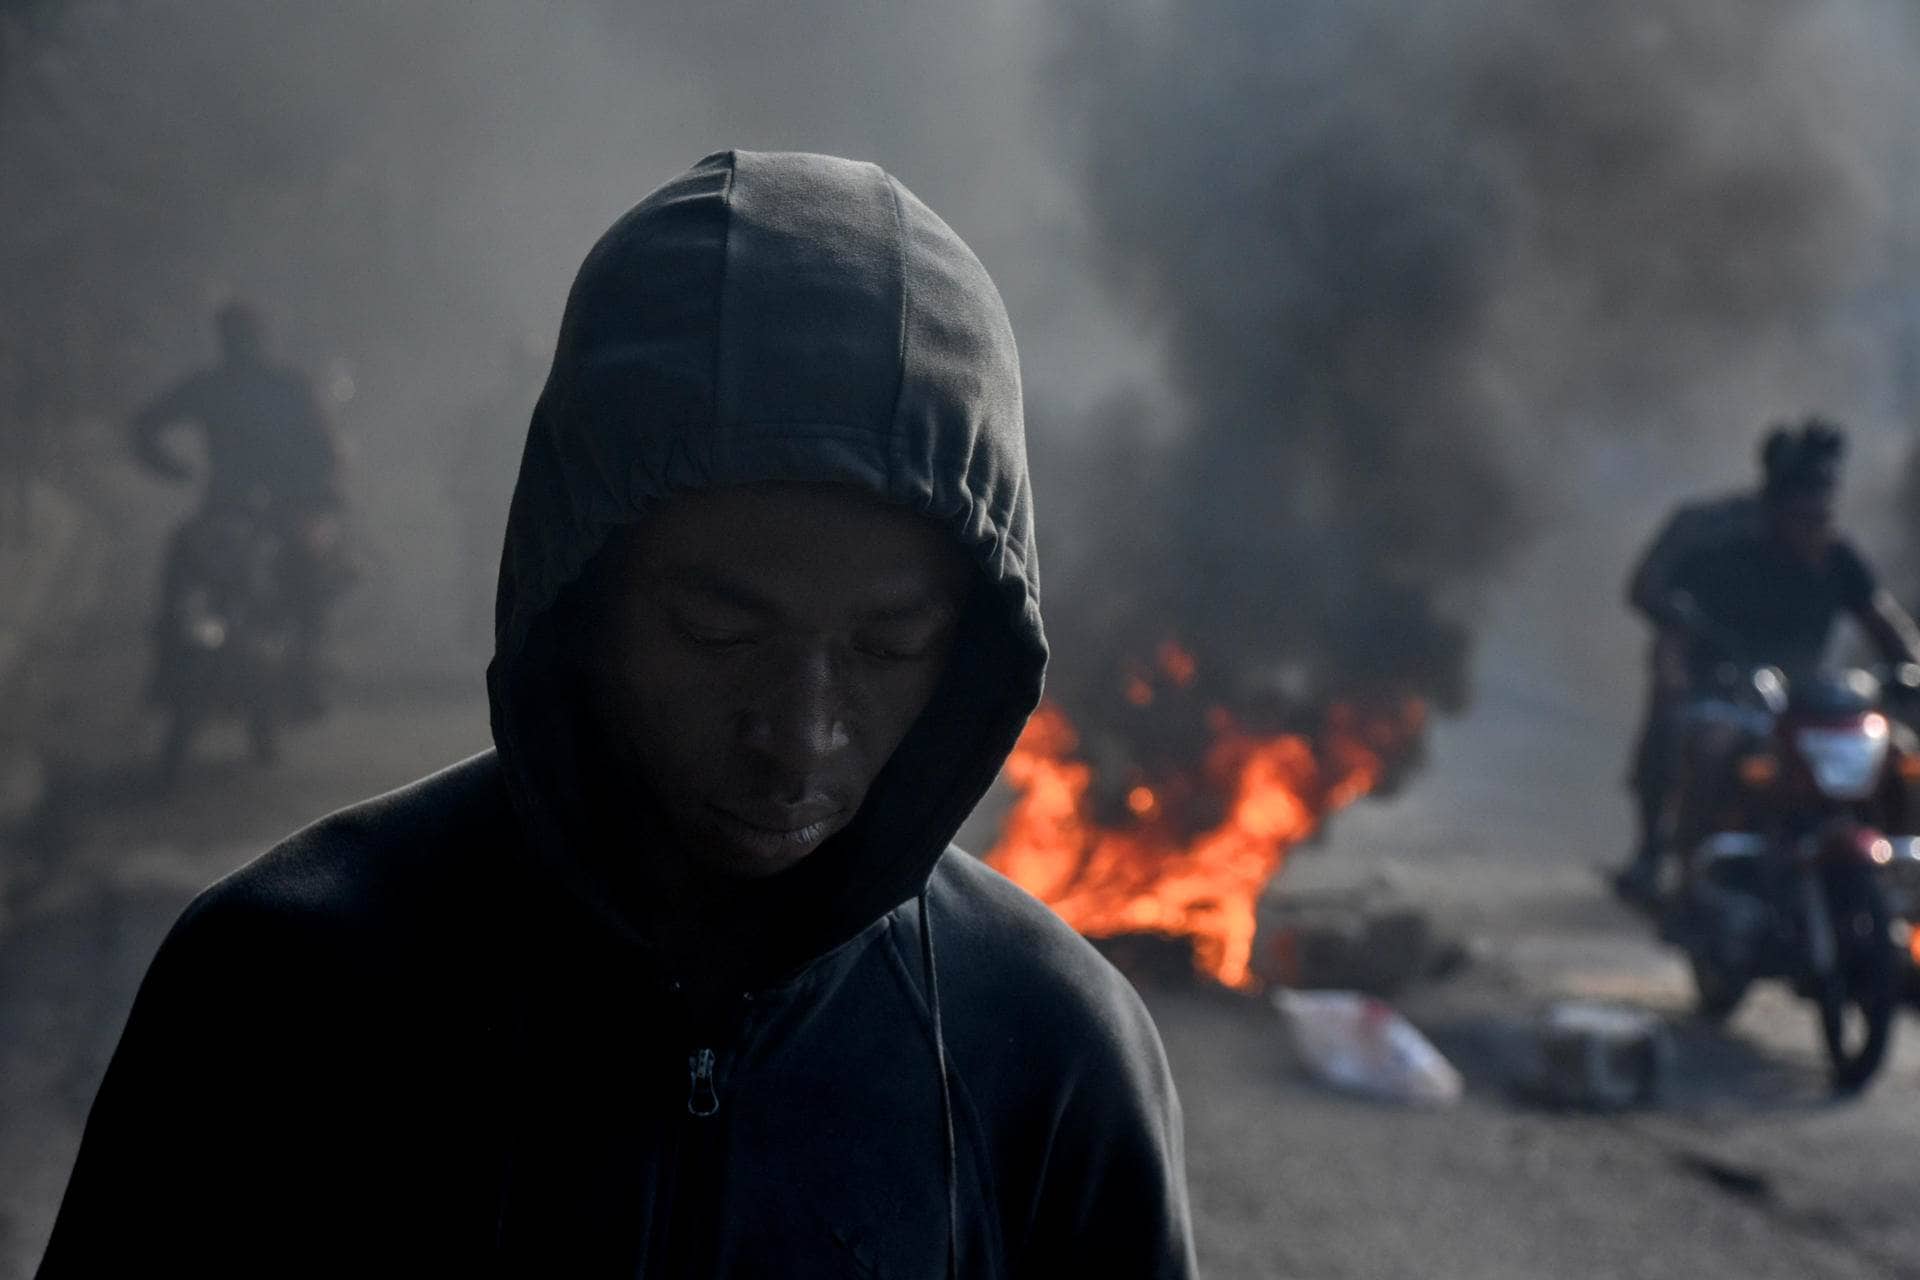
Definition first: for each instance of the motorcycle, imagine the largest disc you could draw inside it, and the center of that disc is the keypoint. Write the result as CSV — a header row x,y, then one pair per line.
x,y
1791,810
227,633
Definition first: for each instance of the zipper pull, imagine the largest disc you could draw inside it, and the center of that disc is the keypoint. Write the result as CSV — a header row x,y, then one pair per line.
x,y
701,1098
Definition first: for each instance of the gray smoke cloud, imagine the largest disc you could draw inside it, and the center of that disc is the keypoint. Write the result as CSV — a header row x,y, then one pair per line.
x,y
1425,280
1327,309
406,191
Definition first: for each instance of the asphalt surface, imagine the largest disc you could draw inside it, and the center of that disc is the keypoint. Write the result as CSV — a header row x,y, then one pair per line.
x,y
1746,1168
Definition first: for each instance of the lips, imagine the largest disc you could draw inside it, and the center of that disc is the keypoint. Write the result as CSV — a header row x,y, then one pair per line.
x,y
776,817
774,831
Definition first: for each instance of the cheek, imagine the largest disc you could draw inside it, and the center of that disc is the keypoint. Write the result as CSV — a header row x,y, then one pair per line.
x,y
898,702
662,718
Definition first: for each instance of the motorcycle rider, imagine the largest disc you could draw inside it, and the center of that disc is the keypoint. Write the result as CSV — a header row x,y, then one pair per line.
x,y
269,451
1760,579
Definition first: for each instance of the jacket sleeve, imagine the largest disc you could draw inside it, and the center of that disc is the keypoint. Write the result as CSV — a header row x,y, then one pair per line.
x,y
148,427
1113,1202
1653,580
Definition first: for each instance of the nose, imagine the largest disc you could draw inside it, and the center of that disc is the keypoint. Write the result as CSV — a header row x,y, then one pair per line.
x,y
797,717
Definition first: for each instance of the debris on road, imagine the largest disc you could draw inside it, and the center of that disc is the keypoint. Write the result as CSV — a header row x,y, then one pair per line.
x,y
1363,938
1601,1057
1354,1042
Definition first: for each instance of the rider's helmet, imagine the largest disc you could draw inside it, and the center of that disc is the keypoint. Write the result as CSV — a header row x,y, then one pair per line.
x,y
242,331
1802,472
1802,460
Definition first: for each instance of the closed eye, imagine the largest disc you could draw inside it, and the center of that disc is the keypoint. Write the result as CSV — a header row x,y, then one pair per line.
x,y
902,648
716,639
892,653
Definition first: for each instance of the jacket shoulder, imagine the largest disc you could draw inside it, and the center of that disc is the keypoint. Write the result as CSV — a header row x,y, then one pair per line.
x,y
1005,956
1060,1065
297,1006
373,864
1714,519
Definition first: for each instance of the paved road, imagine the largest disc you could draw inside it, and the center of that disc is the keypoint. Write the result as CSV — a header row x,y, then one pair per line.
x,y
1748,1170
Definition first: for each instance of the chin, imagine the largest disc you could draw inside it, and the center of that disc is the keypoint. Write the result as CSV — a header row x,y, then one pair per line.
x,y
733,865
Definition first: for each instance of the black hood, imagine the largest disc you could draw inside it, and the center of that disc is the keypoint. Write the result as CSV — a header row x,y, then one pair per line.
x,y
775,317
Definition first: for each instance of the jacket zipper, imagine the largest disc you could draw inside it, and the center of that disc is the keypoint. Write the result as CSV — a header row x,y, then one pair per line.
x,y
690,1228
702,1099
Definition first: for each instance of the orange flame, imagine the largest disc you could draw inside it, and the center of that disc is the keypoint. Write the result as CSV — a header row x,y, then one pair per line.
x,y
1142,876
1178,663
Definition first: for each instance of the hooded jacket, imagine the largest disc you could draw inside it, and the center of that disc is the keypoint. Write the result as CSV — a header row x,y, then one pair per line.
x,y
433,1033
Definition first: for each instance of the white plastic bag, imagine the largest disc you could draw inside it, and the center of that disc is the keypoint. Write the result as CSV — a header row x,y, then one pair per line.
x,y
1361,1044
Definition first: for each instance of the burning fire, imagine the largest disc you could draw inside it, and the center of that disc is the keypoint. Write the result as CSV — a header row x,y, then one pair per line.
x,y
1141,873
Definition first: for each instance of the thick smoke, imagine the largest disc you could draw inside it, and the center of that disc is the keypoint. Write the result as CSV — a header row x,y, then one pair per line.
x,y
406,190
1326,308
1413,272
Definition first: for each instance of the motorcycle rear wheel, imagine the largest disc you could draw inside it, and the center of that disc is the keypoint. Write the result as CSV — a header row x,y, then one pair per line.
x,y
1859,998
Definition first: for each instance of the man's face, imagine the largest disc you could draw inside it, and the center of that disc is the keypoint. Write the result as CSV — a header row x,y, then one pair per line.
x,y
755,654
1803,524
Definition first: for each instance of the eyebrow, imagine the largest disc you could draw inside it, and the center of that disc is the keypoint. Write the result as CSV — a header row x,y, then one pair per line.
x,y
909,604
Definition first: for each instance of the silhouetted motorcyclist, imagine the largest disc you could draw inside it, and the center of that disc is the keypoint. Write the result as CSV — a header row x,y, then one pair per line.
x,y
269,450
1757,579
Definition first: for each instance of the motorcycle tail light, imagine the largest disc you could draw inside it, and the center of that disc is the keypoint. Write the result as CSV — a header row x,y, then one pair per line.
x,y
1758,771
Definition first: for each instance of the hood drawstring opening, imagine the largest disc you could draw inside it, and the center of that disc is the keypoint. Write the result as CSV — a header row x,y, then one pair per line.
x,y
946,1089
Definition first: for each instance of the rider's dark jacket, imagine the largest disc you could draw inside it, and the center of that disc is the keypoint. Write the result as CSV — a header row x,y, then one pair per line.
x,y
1694,529
264,434
1771,607
431,1035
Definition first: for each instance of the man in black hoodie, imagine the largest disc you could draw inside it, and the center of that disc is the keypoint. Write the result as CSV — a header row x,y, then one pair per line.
x,y
684,978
